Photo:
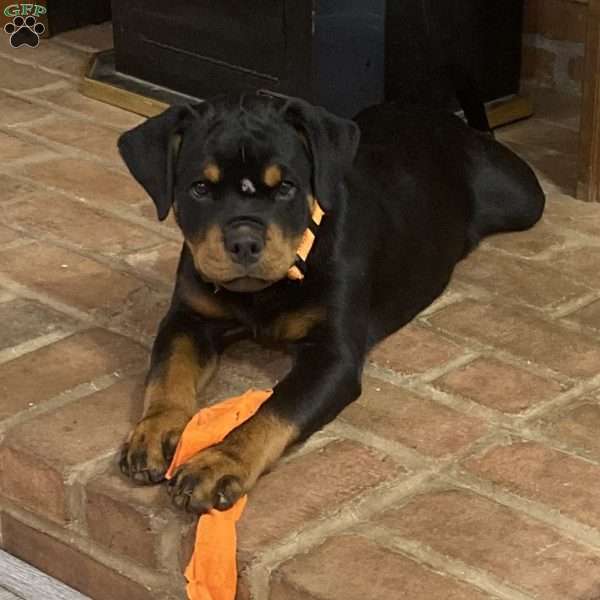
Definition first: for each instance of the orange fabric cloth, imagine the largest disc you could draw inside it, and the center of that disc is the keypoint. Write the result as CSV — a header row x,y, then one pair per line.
x,y
212,570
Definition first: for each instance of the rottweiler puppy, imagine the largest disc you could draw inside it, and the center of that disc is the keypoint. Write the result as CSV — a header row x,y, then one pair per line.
x,y
302,227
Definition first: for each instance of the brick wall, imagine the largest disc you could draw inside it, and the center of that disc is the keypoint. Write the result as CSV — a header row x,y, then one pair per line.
x,y
553,44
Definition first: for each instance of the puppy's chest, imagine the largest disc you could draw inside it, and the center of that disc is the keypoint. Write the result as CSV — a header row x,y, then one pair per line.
x,y
293,325
282,322
286,316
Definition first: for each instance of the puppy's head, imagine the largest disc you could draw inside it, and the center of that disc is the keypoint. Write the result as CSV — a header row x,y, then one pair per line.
x,y
242,175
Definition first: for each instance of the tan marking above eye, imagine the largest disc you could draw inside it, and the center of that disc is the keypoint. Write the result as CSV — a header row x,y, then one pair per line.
x,y
272,176
212,172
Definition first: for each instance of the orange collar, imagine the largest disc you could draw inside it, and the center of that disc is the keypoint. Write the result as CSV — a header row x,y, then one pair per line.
x,y
298,269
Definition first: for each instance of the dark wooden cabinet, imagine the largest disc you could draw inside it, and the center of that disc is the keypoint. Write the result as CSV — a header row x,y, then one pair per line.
x,y
342,54
64,15
329,52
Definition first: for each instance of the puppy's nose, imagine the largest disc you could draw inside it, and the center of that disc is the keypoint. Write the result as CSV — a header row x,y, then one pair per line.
x,y
244,243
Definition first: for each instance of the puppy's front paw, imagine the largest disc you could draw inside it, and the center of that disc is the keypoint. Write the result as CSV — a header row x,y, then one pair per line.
x,y
211,479
147,454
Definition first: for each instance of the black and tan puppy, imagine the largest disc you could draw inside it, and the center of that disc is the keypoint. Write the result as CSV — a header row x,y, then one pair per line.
x,y
404,197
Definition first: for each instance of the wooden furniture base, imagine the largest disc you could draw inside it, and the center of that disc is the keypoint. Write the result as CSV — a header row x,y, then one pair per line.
x,y
509,110
102,82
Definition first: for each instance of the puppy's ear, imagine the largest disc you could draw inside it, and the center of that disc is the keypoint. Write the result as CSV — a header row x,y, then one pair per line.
x,y
150,152
333,142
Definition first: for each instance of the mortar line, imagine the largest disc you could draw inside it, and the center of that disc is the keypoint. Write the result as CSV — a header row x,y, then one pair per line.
x,y
584,330
115,262
48,87
70,537
76,479
20,243
426,389
22,291
555,312
82,472
101,321
478,350
35,122
124,212
539,257
58,147
436,372
317,441
408,457
513,359
8,354
446,299
462,404
60,110
6,296
574,239
461,571
37,65
579,389
539,437
34,159
315,532
580,533
98,384
75,45
548,310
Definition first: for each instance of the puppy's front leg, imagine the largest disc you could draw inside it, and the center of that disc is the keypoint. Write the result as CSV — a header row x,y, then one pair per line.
x,y
325,378
183,361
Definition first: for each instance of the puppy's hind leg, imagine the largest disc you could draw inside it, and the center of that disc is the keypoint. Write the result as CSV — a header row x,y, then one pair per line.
x,y
506,195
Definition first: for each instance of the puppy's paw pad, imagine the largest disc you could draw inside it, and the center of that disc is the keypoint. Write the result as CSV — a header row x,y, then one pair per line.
x,y
210,480
146,456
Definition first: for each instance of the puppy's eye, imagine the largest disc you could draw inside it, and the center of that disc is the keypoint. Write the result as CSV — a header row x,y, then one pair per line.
x,y
286,190
199,190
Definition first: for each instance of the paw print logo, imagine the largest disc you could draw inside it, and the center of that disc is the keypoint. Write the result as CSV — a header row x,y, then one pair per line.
x,y
24,32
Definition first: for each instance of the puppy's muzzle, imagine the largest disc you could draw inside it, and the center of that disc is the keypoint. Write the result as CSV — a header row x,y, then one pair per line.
x,y
244,240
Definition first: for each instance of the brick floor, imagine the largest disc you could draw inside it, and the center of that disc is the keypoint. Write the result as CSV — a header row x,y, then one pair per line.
x,y
468,470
